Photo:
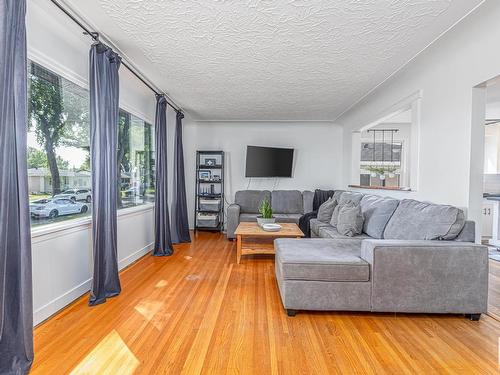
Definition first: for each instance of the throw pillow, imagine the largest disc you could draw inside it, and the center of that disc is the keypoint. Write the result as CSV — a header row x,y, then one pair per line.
x,y
335,215
350,219
325,211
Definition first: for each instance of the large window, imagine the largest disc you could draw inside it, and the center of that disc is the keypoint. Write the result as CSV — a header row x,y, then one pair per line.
x,y
135,161
59,175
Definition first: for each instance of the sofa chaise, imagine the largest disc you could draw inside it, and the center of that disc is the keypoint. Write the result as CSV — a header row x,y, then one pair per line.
x,y
288,206
412,257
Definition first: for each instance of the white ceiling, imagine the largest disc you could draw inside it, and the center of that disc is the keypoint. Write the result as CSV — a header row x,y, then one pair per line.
x,y
270,59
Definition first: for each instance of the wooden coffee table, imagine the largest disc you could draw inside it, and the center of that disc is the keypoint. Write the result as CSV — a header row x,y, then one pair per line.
x,y
252,239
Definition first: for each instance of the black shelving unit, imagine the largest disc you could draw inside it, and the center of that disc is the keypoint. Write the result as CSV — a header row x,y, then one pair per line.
x,y
209,196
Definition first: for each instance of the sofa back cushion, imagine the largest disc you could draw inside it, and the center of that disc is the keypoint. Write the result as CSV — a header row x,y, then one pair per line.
x,y
376,212
287,202
249,200
307,201
414,220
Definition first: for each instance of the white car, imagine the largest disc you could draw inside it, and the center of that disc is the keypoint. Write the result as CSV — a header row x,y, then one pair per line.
x,y
52,208
76,195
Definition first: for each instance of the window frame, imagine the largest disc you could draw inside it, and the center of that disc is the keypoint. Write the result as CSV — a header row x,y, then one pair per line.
x,y
413,102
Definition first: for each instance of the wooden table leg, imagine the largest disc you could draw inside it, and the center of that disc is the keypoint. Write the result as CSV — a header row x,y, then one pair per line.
x,y
238,248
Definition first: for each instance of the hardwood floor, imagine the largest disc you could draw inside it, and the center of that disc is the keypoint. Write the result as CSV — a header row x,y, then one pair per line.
x,y
198,312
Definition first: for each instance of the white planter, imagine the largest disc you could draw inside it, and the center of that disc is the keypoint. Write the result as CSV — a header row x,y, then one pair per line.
x,y
261,221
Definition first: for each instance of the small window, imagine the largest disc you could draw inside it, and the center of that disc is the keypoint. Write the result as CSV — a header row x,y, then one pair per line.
x,y
385,152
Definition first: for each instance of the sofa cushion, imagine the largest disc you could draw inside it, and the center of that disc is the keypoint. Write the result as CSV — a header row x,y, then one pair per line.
x,y
350,221
337,194
414,220
248,217
325,211
316,225
376,212
249,200
287,218
280,218
332,232
307,201
287,202
320,260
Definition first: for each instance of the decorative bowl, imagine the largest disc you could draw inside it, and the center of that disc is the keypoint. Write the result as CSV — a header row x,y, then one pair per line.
x,y
271,227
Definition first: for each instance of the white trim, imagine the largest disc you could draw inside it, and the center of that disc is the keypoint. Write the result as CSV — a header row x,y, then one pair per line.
x,y
399,107
58,303
58,68
50,231
135,256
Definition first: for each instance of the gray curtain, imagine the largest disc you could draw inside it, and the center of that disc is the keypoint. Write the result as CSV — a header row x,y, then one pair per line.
x,y
180,224
16,303
163,241
104,94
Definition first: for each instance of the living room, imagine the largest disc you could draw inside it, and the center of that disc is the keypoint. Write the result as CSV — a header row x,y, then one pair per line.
x,y
342,144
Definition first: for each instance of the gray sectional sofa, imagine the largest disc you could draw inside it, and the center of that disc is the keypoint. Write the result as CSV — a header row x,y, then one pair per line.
x,y
412,257
288,206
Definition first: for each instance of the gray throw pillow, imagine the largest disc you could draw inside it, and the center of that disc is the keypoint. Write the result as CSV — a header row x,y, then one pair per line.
x,y
350,220
325,211
335,215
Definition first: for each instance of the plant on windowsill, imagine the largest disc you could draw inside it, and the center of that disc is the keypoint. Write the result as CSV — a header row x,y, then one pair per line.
x,y
266,213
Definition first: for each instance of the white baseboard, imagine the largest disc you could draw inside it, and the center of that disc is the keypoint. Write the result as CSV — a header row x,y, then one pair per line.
x,y
134,256
60,302
65,299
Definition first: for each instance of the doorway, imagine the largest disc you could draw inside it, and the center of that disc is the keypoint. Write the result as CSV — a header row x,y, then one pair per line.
x,y
489,225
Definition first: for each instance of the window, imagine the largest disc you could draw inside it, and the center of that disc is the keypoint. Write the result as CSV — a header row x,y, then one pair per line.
x,y
59,151
58,147
135,161
380,164
385,151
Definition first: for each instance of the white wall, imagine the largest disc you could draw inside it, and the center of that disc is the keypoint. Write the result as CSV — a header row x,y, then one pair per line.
x,y
318,153
62,253
446,73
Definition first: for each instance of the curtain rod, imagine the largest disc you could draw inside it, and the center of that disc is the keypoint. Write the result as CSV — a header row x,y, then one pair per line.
x,y
95,36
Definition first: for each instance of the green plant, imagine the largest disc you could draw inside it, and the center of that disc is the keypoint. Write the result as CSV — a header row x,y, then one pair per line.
x,y
265,209
380,170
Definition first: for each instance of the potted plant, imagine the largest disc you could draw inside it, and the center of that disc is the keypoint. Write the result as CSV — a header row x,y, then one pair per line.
x,y
266,213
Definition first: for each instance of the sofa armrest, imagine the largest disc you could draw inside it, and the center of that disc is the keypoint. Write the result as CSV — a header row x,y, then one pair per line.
x,y
427,276
233,219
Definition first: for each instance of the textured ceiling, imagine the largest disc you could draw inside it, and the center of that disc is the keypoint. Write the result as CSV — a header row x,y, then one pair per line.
x,y
274,59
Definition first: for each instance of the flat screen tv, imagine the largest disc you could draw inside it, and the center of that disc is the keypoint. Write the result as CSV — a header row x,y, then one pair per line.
x,y
269,162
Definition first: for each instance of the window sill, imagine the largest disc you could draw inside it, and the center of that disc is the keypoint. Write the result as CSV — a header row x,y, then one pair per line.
x,y
380,188
79,224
